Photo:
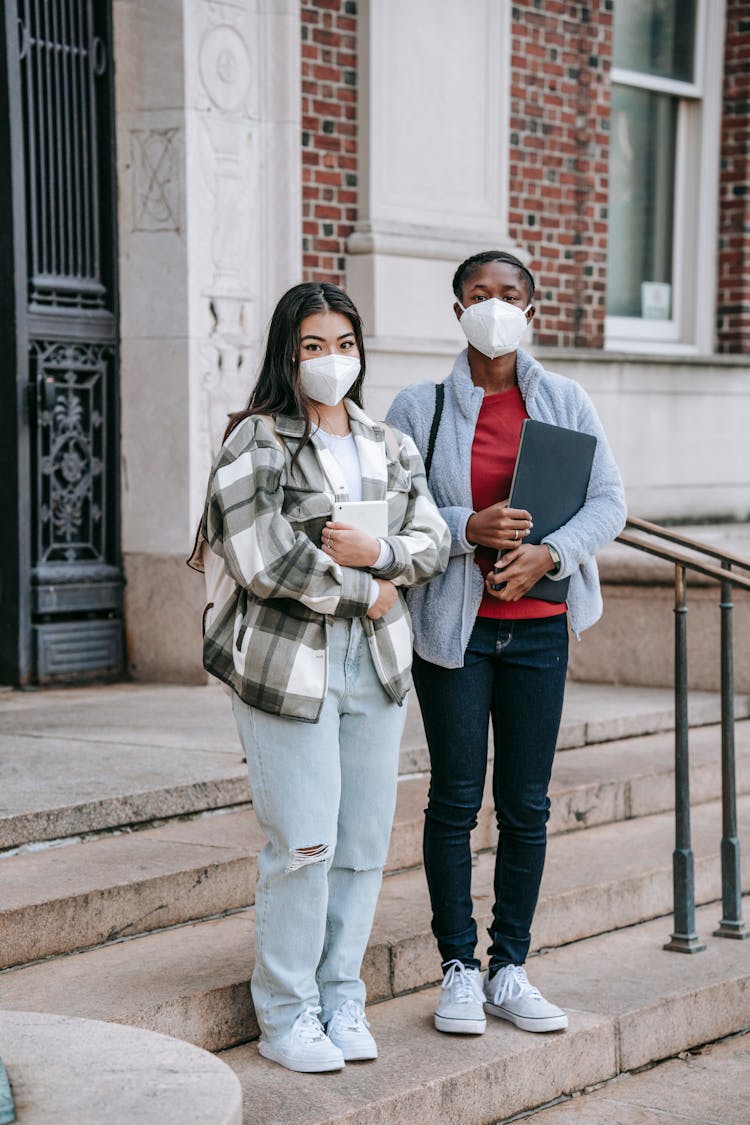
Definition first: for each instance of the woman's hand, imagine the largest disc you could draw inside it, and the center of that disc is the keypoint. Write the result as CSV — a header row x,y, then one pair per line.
x,y
519,570
348,546
498,526
387,595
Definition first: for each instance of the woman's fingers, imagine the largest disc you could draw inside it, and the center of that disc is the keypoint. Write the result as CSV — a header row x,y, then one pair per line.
x,y
349,546
519,515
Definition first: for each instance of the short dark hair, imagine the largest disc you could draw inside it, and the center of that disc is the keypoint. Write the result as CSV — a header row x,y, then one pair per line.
x,y
467,269
278,389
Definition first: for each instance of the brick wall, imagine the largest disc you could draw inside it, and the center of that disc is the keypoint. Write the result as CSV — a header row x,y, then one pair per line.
x,y
559,155
329,135
733,309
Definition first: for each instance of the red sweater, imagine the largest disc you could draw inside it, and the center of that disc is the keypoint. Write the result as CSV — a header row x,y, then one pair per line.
x,y
493,457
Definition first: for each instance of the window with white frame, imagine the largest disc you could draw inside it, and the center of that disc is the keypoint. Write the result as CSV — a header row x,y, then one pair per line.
x,y
663,174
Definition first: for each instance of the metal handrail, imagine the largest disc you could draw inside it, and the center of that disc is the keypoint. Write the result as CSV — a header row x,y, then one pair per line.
x,y
684,938
684,541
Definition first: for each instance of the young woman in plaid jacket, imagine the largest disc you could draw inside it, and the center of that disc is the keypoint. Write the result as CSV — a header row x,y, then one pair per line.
x,y
315,644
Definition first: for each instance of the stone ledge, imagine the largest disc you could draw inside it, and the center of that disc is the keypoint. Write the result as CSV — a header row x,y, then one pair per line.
x,y
67,1071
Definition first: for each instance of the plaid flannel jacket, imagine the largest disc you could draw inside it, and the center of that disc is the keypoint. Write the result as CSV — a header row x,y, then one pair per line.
x,y
265,518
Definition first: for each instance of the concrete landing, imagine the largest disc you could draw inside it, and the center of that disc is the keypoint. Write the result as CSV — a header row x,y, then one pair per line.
x,y
82,1072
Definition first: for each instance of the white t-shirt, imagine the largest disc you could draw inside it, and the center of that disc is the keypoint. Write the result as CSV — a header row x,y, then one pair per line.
x,y
344,449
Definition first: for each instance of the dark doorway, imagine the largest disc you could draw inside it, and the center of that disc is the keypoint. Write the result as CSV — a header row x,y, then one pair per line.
x,y
61,579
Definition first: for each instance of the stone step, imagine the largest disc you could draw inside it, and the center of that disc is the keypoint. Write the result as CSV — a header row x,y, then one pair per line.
x,y
73,897
191,981
629,1004
706,1084
633,777
68,898
86,760
609,877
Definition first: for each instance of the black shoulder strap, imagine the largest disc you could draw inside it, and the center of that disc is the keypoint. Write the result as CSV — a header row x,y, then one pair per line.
x,y
439,398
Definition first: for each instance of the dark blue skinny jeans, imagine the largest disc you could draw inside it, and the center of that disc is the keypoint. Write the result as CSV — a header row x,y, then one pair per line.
x,y
514,671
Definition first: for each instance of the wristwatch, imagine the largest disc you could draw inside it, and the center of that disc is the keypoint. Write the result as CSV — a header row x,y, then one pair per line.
x,y
554,555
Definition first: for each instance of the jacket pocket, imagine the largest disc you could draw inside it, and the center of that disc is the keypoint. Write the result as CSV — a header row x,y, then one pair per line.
x,y
299,506
399,478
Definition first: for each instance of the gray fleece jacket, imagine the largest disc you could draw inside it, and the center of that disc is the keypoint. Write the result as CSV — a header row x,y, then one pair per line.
x,y
444,611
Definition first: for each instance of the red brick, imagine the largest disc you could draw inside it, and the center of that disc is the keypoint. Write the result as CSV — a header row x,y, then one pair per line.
x,y
734,214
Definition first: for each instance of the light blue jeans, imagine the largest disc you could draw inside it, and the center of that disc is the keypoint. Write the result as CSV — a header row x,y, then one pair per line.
x,y
324,794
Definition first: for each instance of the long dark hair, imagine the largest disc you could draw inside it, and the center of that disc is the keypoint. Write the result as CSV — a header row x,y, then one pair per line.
x,y
278,389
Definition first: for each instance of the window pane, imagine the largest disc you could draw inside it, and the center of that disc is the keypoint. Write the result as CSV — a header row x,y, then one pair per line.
x,y
655,37
641,203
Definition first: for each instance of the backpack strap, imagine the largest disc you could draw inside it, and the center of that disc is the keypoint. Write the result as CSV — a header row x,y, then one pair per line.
x,y
439,400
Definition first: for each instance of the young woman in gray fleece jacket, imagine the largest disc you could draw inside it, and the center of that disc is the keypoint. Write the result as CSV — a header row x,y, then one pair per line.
x,y
484,650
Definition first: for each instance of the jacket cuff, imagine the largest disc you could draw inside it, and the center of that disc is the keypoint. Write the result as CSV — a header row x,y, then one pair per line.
x,y
356,591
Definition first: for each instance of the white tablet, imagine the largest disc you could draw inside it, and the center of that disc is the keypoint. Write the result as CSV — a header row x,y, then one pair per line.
x,y
366,515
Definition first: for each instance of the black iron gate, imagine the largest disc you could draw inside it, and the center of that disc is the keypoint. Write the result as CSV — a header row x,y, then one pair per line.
x,y
60,604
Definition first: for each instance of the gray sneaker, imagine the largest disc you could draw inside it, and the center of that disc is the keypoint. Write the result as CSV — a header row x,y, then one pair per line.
x,y
510,996
460,1006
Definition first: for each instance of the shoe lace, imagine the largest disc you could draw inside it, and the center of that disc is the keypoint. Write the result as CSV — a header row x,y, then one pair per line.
x,y
511,982
463,982
308,1027
352,1013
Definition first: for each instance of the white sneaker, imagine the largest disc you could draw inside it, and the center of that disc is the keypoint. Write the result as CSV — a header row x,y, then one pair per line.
x,y
347,1029
306,1047
510,996
460,1006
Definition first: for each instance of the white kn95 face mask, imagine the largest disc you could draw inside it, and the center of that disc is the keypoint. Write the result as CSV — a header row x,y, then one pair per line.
x,y
327,378
493,327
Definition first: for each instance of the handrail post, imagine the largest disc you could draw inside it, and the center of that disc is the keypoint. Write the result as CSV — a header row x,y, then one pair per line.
x,y
731,924
684,938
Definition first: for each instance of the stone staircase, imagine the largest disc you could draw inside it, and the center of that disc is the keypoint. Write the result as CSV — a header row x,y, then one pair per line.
x,y
128,868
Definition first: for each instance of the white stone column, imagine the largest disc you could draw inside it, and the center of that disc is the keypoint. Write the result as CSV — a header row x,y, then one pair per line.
x,y
433,145
207,96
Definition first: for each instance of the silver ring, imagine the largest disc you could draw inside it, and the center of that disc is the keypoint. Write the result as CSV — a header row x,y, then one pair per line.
x,y
515,535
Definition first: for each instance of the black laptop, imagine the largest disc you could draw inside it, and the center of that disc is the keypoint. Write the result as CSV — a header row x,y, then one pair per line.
x,y
550,481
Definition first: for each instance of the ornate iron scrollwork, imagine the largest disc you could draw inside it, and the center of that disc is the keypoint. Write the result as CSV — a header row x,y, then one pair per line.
x,y
72,452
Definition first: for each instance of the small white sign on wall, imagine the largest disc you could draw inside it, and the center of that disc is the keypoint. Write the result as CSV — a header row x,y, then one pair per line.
x,y
656,300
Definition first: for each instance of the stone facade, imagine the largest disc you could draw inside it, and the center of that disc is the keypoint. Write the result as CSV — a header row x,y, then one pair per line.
x,y
376,143
209,171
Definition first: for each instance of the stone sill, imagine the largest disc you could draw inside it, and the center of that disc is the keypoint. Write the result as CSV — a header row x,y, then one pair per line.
x,y
413,345
640,359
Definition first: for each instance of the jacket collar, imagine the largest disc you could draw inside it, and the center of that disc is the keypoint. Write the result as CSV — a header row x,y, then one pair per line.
x,y
372,453
469,397
293,425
